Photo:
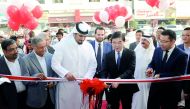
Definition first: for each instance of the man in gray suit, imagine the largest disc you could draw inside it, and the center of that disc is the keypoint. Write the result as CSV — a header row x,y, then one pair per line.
x,y
138,36
40,95
12,95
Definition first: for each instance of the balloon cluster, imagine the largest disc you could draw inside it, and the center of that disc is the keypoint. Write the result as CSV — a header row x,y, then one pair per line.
x,y
160,4
24,13
117,14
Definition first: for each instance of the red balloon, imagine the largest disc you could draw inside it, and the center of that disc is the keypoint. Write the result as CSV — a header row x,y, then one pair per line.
x,y
32,24
37,12
13,25
123,11
13,13
152,3
25,15
96,16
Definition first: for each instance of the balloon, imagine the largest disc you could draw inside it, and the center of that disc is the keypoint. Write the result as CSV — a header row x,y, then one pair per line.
x,y
31,4
164,4
13,25
120,21
96,16
152,3
129,14
95,21
25,15
129,18
104,16
123,11
32,24
111,13
37,12
13,12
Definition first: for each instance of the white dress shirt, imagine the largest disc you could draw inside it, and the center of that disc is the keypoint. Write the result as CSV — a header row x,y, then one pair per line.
x,y
96,48
42,62
15,70
116,55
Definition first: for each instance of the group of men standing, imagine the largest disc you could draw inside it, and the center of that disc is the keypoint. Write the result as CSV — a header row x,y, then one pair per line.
x,y
76,58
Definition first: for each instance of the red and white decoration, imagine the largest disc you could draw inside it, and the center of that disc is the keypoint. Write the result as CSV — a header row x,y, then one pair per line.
x,y
24,12
117,14
160,4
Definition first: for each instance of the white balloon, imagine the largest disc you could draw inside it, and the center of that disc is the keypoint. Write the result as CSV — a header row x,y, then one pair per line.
x,y
31,4
129,14
95,21
164,4
104,16
120,21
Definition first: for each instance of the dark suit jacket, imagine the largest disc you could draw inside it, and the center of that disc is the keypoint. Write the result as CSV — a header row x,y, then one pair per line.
x,y
175,66
126,69
8,92
107,47
133,45
186,84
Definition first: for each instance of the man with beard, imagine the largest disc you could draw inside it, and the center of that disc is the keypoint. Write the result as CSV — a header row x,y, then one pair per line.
x,y
73,58
101,48
12,95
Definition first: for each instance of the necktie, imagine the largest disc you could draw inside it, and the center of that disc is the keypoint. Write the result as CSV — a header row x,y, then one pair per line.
x,y
118,59
165,57
98,57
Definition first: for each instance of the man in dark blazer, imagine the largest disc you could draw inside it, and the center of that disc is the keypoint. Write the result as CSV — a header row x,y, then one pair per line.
x,y
185,47
167,61
12,95
138,36
40,95
120,64
101,48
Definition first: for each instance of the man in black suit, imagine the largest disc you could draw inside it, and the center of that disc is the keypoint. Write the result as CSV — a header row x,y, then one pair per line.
x,y
167,61
12,95
120,64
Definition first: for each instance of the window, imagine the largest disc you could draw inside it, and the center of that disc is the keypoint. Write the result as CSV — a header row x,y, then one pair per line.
x,y
57,1
41,1
94,0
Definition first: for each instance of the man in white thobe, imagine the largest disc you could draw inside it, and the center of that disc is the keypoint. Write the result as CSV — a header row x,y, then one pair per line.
x,y
73,58
144,52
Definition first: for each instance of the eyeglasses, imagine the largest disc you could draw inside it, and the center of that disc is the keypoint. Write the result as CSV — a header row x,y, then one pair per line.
x,y
163,42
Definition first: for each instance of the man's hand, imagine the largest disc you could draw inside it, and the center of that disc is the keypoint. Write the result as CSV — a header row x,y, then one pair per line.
x,y
157,76
115,85
70,77
149,72
41,76
50,84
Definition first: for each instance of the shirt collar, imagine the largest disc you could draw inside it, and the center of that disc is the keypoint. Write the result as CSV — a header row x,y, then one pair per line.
x,y
39,57
98,43
119,52
171,50
7,61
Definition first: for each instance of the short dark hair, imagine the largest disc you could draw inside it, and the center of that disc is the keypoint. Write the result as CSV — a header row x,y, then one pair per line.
x,y
118,34
14,37
109,36
46,30
162,28
7,42
59,33
140,31
170,33
99,28
187,28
